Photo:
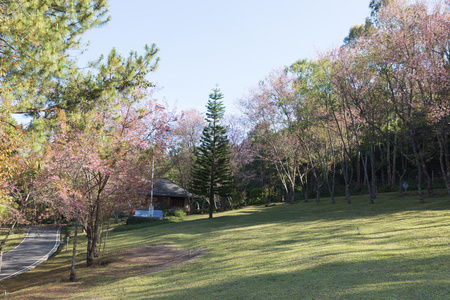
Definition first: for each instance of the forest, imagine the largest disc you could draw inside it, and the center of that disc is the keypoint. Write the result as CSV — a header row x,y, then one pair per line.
x,y
367,117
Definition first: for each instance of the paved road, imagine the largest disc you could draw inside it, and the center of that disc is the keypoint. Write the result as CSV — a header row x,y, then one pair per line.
x,y
39,244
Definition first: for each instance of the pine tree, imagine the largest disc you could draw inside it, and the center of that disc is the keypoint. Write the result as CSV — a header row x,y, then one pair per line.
x,y
211,174
39,75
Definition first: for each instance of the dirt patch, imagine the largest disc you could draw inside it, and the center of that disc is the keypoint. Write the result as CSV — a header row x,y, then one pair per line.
x,y
50,280
145,260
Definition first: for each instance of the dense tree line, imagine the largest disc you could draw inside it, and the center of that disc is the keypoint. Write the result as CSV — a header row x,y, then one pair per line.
x,y
364,117
373,112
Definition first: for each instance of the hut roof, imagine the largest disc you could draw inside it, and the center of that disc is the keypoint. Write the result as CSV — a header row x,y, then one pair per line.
x,y
166,187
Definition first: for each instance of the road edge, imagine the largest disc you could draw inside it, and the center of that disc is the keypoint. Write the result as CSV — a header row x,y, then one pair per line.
x,y
41,260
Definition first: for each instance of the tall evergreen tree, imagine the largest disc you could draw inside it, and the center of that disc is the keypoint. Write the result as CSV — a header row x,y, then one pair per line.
x,y
211,174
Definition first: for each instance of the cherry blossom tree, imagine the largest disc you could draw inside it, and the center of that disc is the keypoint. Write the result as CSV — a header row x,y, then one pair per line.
x,y
410,51
272,109
185,137
101,159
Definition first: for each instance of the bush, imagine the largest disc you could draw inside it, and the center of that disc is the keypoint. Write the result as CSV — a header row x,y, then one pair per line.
x,y
255,193
258,201
179,213
132,220
150,223
176,212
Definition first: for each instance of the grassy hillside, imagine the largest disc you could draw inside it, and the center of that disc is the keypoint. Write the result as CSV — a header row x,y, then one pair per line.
x,y
299,251
14,238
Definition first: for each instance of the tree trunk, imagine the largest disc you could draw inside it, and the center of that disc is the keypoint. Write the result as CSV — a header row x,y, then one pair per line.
x,y
317,185
366,175
366,178
444,162
211,197
3,242
419,184
93,235
358,169
400,176
290,197
419,173
211,185
74,252
99,243
106,235
306,193
331,187
230,202
345,167
428,178
400,179
304,183
394,163
292,189
374,176
388,158
191,205
305,188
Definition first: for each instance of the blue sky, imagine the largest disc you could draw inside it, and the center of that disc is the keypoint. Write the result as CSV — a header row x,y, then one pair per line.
x,y
231,43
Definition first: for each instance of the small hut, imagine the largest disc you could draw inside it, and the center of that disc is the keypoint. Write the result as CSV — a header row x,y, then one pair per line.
x,y
166,195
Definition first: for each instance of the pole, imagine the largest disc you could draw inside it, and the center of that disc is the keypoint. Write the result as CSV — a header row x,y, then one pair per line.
x,y
151,191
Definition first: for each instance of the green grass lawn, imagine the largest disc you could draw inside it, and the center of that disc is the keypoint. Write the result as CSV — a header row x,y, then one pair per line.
x,y
14,238
299,251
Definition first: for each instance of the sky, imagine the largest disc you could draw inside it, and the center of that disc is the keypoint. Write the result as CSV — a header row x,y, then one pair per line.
x,y
233,43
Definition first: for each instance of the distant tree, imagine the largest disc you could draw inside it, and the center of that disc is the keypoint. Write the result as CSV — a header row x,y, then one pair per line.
x,y
211,174
275,109
185,134
241,156
356,32
376,5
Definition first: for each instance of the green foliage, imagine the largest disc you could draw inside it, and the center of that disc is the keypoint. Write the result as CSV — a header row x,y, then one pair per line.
x,y
255,193
176,212
38,74
179,213
16,237
258,201
133,220
376,5
256,197
211,174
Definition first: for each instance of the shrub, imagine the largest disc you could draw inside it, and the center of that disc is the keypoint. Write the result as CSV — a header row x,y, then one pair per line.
x,y
150,223
179,213
132,220
176,212
258,201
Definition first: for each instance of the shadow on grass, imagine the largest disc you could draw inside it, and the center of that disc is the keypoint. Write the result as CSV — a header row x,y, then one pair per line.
x,y
392,278
387,203
340,215
365,279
